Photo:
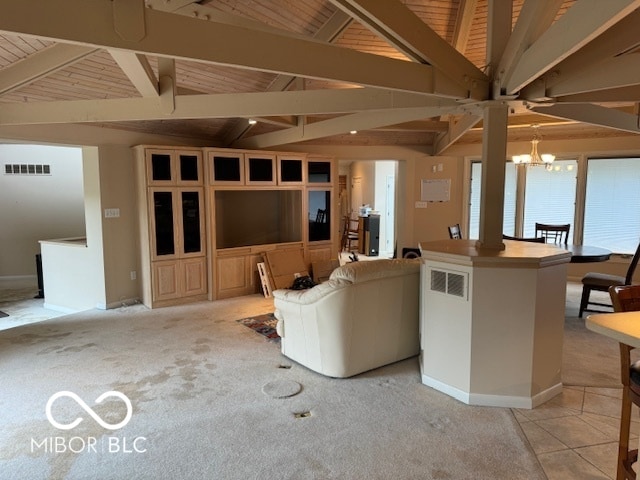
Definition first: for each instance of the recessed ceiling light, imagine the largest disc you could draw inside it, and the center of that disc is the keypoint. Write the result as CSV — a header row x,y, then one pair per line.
x,y
353,132
252,121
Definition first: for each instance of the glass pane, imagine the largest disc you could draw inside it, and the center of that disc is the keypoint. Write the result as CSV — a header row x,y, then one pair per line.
x,y
319,172
550,196
226,169
612,201
191,222
189,167
319,215
509,199
260,170
257,217
163,210
160,166
290,170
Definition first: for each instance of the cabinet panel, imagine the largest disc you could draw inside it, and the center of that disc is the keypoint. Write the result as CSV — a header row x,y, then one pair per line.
x,y
237,275
174,167
163,224
194,276
165,280
319,215
317,254
191,223
292,170
260,169
226,168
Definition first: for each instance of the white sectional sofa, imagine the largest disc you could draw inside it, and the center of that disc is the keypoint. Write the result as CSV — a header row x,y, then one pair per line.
x,y
365,316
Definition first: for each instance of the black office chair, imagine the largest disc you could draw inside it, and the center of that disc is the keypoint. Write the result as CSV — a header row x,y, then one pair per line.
x,y
601,282
454,232
556,233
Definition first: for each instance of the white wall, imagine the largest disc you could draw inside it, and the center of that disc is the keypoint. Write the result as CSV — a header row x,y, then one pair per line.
x,y
38,207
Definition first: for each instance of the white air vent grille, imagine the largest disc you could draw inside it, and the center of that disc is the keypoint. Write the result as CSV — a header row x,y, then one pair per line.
x,y
450,283
27,169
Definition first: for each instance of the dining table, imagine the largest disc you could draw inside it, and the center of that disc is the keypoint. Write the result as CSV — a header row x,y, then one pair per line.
x,y
586,253
621,326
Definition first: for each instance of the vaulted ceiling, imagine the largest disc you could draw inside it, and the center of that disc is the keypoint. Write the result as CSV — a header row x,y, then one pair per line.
x,y
409,72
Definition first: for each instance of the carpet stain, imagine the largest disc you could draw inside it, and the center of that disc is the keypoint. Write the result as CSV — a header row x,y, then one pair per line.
x,y
78,348
200,349
34,338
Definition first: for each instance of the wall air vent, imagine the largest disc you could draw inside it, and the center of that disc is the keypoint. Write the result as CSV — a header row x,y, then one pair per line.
x,y
27,169
449,283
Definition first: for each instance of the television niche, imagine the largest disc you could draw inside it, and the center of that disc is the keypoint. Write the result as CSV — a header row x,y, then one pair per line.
x,y
257,217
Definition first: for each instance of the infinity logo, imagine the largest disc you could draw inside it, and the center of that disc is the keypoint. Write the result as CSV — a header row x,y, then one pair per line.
x,y
86,408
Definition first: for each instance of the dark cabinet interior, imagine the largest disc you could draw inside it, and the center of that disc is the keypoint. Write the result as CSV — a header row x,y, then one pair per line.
x,y
319,172
163,211
227,169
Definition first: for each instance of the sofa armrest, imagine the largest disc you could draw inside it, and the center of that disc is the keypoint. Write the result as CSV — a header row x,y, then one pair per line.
x,y
311,295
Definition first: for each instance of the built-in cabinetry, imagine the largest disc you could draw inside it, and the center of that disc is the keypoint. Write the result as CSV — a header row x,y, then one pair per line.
x,y
172,221
208,215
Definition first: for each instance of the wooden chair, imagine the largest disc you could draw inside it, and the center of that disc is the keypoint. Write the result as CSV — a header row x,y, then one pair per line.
x,y
525,239
601,282
454,232
348,234
556,233
626,298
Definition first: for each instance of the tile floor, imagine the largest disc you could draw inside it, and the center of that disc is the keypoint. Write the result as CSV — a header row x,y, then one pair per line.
x,y
574,435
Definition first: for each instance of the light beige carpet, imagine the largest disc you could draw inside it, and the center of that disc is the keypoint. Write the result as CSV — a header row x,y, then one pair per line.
x,y
195,379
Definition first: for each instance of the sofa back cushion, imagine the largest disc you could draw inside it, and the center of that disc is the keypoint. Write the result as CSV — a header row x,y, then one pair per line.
x,y
363,271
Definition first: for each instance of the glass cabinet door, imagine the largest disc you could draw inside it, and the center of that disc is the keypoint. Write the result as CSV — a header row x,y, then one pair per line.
x,y
189,168
191,222
163,216
319,215
161,170
319,171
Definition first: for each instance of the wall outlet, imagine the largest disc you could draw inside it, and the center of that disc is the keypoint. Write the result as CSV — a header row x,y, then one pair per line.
x,y
134,275
421,204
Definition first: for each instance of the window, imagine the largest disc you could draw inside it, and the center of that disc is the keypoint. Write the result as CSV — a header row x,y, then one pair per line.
x,y
608,218
509,199
550,196
612,204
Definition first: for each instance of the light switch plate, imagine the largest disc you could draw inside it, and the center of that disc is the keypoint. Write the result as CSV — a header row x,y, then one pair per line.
x,y
111,212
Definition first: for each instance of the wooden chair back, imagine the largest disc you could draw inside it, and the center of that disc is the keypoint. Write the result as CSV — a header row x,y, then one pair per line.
x,y
556,233
525,239
628,279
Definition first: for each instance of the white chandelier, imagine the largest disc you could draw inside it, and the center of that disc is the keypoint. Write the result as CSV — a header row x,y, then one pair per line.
x,y
534,158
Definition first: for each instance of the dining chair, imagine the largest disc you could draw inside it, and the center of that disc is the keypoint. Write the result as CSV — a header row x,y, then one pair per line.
x,y
348,235
525,239
556,233
601,282
626,298
454,232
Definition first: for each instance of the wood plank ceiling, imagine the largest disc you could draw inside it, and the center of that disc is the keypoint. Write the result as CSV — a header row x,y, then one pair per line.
x,y
410,72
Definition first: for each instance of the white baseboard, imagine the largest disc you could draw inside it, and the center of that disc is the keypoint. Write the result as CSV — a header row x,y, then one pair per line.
x,y
58,308
127,302
484,400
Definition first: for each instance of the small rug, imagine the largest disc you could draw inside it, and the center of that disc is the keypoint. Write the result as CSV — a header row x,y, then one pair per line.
x,y
2,314
265,325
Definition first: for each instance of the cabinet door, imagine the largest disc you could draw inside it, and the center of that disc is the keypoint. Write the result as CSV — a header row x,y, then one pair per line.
x,y
191,223
260,169
163,216
231,276
165,280
319,215
292,170
188,167
161,167
226,168
319,171
194,276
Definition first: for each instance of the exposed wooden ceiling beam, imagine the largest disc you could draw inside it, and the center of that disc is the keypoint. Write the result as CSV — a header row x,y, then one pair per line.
x,y
455,131
247,105
403,29
136,67
534,18
594,115
192,39
327,33
464,19
583,22
615,95
340,125
614,73
41,64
